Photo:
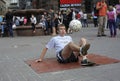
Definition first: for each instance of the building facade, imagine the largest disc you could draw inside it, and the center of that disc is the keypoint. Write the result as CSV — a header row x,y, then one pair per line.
x,y
2,7
46,4
87,5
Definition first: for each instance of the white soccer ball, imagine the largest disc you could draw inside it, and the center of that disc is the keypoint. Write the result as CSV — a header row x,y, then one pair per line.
x,y
75,25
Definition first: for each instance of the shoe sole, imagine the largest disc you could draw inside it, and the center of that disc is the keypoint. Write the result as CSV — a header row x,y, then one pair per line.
x,y
85,49
89,64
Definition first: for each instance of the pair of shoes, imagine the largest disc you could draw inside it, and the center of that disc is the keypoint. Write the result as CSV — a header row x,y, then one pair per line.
x,y
98,35
87,63
85,49
103,35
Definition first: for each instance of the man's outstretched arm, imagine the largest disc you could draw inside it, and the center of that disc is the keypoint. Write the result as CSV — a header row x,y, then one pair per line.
x,y
42,54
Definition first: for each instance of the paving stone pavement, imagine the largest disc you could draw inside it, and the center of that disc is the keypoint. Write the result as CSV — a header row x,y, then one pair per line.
x,y
15,51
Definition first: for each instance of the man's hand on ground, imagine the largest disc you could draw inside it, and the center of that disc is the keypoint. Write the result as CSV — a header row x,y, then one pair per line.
x,y
39,60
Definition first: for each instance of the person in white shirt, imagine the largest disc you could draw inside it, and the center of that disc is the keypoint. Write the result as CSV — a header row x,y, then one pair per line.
x,y
81,18
73,14
33,22
85,23
66,50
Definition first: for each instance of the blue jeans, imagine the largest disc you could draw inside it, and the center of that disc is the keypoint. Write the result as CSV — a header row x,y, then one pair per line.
x,y
118,22
112,27
3,26
2,29
9,25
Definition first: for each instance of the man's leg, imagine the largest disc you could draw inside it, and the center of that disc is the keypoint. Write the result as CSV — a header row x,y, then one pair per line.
x,y
69,48
103,26
79,49
2,28
106,21
10,29
100,26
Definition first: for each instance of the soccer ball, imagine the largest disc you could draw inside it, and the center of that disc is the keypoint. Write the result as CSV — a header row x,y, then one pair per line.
x,y
75,25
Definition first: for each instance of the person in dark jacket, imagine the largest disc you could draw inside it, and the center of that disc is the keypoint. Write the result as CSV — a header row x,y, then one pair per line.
x,y
9,22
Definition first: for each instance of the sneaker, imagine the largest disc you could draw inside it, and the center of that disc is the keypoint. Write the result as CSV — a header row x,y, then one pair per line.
x,y
87,63
85,49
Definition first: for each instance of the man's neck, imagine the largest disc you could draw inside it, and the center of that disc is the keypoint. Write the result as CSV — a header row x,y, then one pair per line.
x,y
61,35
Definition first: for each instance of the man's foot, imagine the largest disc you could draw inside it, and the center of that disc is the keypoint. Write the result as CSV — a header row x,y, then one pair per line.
x,y
87,63
85,49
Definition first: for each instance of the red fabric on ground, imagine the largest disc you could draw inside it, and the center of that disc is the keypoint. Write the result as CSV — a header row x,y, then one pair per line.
x,y
51,64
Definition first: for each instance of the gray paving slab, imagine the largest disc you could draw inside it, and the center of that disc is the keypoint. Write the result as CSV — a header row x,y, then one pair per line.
x,y
15,51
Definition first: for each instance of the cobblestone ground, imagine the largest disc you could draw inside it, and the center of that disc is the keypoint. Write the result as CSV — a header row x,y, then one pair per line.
x,y
14,51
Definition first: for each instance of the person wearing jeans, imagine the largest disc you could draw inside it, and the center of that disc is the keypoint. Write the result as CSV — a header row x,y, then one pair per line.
x,y
9,22
33,23
111,21
118,15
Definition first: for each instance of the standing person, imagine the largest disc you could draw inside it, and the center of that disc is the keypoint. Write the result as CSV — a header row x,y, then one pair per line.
x,y
43,24
73,14
55,24
85,23
1,21
81,16
3,26
95,14
95,19
102,7
46,23
33,22
69,18
9,22
111,21
63,12
78,15
51,23
118,15
66,50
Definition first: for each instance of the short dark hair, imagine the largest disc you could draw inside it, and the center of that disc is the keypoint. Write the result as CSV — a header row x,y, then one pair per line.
x,y
59,25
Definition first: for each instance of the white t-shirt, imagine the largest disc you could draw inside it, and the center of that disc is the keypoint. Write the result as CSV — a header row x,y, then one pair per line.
x,y
85,16
33,20
58,42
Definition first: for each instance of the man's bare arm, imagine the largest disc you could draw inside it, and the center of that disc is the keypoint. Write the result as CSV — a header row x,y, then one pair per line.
x,y
42,54
99,5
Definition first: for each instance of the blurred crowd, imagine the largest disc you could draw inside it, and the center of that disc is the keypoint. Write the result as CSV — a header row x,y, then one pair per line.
x,y
103,16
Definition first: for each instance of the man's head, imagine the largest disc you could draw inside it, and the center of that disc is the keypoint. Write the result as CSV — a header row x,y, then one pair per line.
x,y
61,29
110,8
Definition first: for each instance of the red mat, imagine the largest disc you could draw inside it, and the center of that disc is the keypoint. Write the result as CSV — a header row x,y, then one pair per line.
x,y
51,64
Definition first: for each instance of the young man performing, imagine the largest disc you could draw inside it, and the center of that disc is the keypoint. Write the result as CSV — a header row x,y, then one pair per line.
x,y
66,50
